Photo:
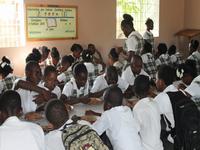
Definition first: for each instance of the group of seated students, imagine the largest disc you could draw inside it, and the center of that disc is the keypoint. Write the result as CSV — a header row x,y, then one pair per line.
x,y
77,78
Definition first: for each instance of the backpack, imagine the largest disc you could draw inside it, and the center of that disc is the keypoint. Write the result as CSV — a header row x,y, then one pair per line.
x,y
186,133
81,137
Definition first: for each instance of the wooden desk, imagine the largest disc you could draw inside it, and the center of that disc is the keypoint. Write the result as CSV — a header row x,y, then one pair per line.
x,y
189,33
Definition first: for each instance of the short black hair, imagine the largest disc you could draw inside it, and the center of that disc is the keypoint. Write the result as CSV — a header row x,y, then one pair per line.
x,y
190,63
79,68
55,53
147,47
162,48
149,20
67,59
30,65
194,44
37,54
141,86
56,113
76,47
5,66
45,49
127,21
112,73
113,53
136,58
10,101
167,74
113,96
87,56
172,50
48,70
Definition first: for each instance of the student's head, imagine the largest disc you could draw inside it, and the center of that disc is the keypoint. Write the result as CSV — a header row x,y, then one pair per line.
x,y
186,72
127,24
113,56
111,75
10,105
55,55
45,52
5,67
56,113
142,86
149,24
33,72
193,46
91,48
76,50
162,48
172,50
165,77
37,54
87,56
113,97
50,77
66,62
136,64
80,74
147,48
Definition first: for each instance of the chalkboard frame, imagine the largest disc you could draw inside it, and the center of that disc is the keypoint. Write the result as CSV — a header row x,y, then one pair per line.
x,y
54,6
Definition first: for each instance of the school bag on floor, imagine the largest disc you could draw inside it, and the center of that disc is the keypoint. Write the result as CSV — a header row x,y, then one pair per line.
x,y
186,133
81,137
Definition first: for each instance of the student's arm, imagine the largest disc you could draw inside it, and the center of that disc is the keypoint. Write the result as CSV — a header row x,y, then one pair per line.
x,y
74,100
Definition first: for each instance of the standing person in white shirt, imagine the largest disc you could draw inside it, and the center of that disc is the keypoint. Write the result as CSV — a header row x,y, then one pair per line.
x,y
134,42
147,113
133,70
119,122
14,133
148,35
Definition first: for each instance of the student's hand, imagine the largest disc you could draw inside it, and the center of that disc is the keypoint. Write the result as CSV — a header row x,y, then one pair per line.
x,y
94,101
46,95
39,99
33,116
181,86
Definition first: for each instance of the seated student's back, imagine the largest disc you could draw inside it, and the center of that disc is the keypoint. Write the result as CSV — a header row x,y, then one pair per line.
x,y
14,133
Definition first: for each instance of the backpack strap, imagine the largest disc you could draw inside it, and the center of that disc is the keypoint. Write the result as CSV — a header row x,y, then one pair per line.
x,y
172,130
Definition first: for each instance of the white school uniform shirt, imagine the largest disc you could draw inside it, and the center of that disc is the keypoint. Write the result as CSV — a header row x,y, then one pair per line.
x,y
148,36
134,42
62,77
56,90
121,128
90,67
27,97
100,83
21,135
129,77
147,113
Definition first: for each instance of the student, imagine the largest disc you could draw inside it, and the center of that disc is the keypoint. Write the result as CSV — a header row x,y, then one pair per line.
x,y
28,88
134,42
76,50
93,69
97,58
195,55
110,78
163,57
45,61
66,69
34,56
14,133
193,46
77,89
56,113
175,56
50,81
148,35
55,57
118,122
149,61
113,60
147,113
6,72
164,83
133,70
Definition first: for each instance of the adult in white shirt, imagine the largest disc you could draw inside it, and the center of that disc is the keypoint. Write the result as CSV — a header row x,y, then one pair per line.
x,y
16,134
148,35
134,42
147,113
118,122
133,70
102,82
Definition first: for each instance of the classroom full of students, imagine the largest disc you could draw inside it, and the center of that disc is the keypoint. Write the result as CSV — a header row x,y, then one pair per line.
x,y
142,98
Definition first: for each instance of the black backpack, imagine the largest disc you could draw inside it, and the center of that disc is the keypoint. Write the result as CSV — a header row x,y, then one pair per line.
x,y
186,133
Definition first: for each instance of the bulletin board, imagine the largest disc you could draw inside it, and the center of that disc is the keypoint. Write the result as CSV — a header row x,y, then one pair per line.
x,y
48,22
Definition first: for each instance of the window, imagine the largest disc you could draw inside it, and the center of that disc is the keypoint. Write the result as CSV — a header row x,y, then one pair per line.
x,y
140,11
12,23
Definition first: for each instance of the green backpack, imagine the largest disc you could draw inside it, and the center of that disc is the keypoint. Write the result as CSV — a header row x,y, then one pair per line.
x,y
81,137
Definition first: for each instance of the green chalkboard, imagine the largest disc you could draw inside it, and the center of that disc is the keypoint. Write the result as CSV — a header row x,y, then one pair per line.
x,y
51,22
